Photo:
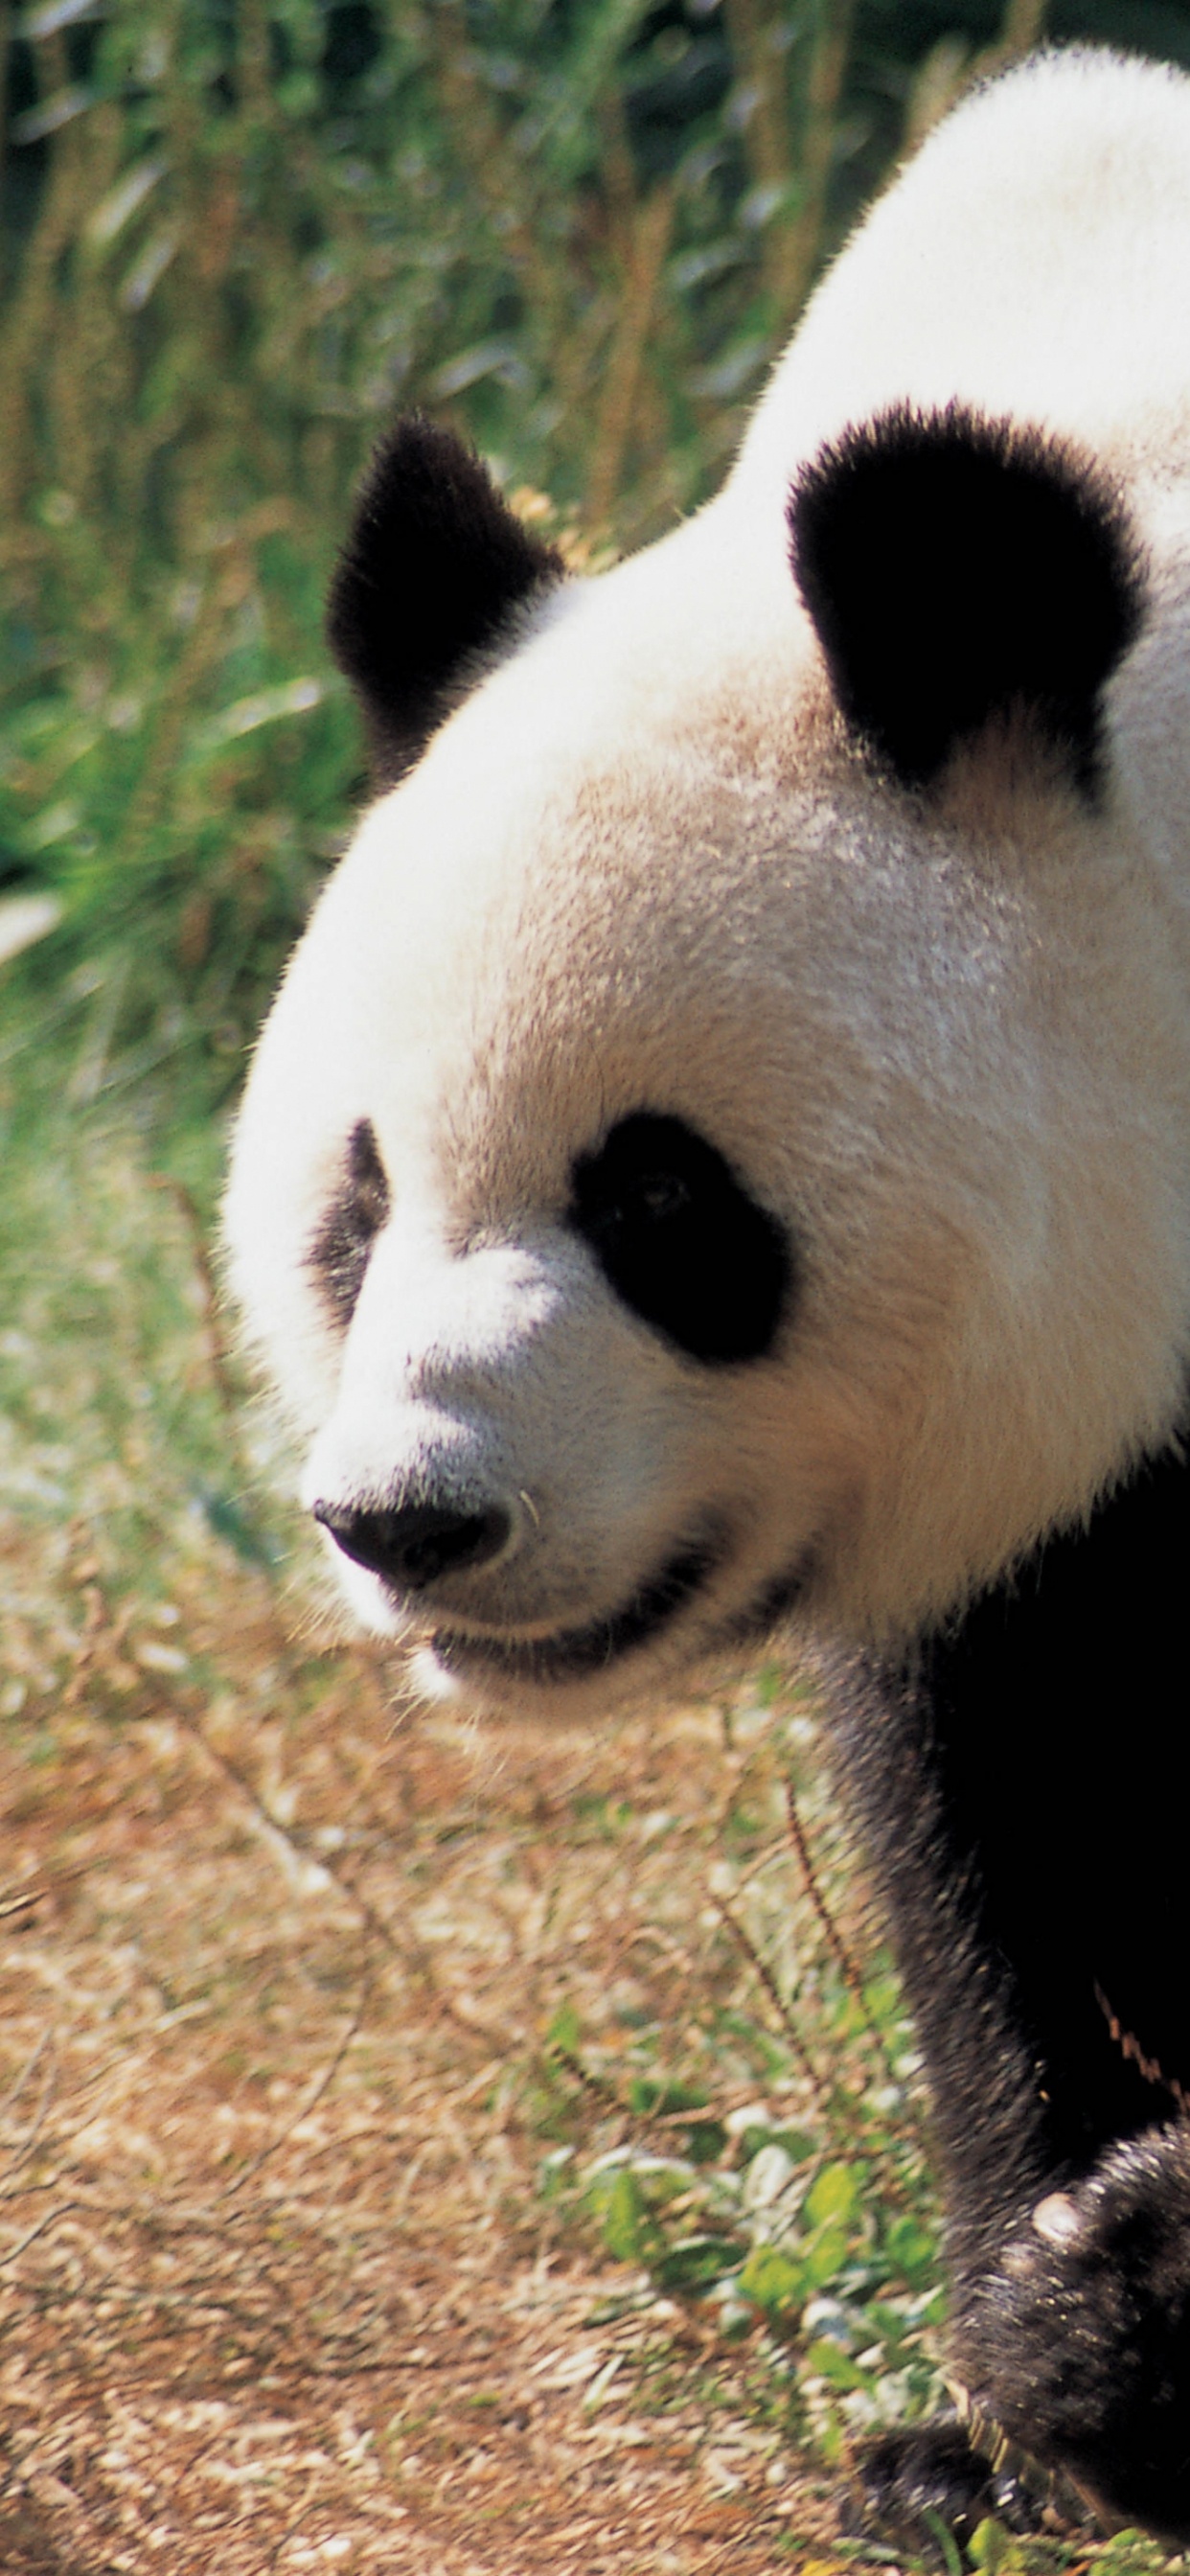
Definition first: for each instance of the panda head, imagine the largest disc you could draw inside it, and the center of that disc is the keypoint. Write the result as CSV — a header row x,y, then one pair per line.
x,y
681,1180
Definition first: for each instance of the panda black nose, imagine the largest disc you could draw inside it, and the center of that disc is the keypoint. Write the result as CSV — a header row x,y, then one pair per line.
x,y
414,1547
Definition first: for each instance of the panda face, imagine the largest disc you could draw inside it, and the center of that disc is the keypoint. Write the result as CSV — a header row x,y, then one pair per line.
x,y
641,1195
716,1152
687,1253
520,1346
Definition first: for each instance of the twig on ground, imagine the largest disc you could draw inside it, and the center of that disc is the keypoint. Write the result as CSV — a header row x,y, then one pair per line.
x,y
844,1961
762,1970
320,2090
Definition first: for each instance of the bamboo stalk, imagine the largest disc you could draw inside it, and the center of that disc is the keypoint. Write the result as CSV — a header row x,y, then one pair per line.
x,y
173,708
951,67
252,60
75,357
761,59
651,234
482,146
28,325
5,47
1023,27
802,243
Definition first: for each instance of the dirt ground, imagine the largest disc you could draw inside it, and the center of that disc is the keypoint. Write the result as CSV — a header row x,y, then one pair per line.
x,y
279,2286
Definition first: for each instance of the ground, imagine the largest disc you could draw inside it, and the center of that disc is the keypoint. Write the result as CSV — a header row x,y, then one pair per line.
x,y
279,1960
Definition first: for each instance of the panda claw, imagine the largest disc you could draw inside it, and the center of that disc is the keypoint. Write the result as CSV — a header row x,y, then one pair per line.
x,y
1057,2219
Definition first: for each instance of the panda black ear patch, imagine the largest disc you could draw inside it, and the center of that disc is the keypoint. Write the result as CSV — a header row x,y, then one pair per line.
x,y
434,568
959,570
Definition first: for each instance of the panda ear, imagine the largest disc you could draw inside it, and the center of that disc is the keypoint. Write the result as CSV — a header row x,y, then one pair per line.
x,y
433,570
959,570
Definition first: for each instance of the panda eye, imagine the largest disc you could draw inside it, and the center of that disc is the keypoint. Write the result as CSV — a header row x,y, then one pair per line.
x,y
341,1248
682,1241
661,1196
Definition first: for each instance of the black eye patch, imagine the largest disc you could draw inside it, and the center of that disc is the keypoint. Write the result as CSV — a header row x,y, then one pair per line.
x,y
341,1248
681,1240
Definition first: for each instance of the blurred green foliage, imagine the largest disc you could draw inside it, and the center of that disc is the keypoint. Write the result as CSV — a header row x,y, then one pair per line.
x,y
236,233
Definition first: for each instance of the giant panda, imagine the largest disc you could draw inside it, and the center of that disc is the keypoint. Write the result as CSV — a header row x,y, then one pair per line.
x,y
719,1164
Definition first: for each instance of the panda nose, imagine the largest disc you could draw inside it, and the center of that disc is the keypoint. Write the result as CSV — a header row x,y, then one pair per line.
x,y
413,1547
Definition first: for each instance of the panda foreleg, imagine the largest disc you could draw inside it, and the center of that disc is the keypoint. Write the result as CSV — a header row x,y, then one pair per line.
x,y
1015,1787
988,2140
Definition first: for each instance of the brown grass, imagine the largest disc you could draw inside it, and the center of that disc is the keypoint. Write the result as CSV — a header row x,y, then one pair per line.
x,y
279,2287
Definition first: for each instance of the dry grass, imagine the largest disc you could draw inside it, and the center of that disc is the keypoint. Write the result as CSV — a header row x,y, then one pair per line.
x,y
278,2283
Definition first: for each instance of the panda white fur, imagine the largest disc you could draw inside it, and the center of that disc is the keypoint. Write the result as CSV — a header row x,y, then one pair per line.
x,y
721,1156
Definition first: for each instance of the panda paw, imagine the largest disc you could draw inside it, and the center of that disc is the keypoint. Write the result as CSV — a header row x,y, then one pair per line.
x,y
918,2479
1078,2339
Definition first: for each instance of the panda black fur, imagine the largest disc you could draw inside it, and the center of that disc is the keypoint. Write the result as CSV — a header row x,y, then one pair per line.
x,y
721,1157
